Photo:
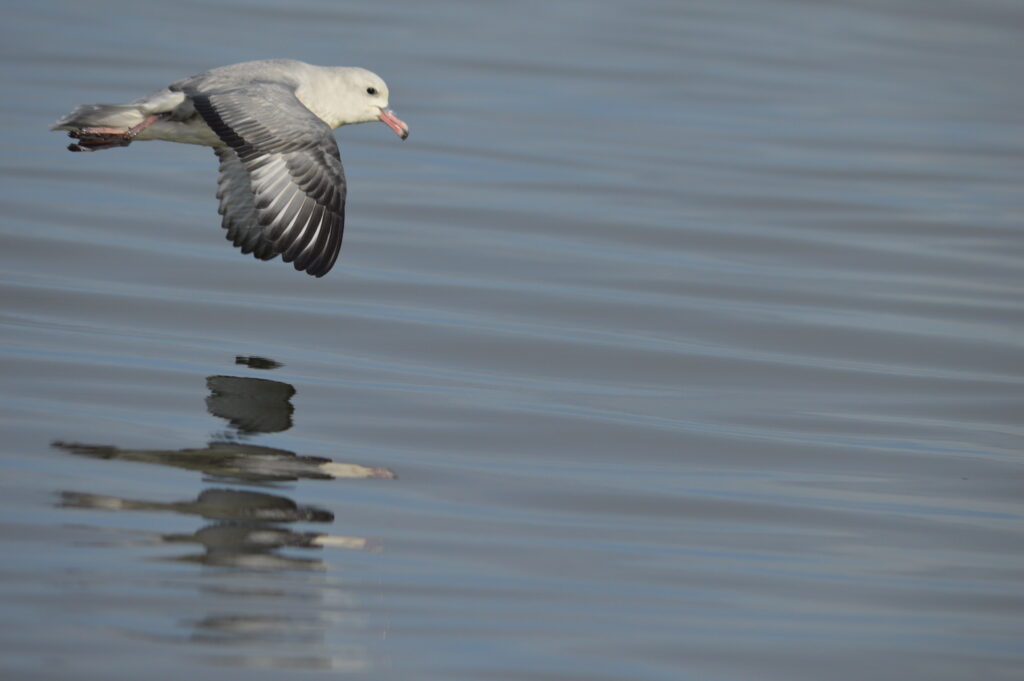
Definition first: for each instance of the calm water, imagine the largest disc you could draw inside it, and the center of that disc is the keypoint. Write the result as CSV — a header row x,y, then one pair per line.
x,y
682,340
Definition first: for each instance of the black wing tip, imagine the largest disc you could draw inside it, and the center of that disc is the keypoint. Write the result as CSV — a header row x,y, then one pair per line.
x,y
313,270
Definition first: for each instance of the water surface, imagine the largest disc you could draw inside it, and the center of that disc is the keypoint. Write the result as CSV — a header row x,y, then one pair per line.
x,y
681,340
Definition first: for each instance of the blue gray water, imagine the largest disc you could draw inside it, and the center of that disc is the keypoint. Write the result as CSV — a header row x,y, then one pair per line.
x,y
682,340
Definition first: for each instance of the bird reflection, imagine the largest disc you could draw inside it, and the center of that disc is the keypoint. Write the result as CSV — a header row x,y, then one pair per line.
x,y
211,504
250,406
256,547
248,547
246,530
231,461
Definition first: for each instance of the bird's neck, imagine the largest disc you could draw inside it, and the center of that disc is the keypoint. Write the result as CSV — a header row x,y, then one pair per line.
x,y
317,95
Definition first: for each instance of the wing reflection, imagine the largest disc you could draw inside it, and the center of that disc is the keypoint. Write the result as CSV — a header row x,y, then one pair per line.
x,y
251,405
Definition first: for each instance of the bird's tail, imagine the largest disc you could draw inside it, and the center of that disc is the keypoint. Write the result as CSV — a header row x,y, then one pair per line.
x,y
121,116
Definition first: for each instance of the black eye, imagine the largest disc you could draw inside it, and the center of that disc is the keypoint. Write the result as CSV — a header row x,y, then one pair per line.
x,y
371,90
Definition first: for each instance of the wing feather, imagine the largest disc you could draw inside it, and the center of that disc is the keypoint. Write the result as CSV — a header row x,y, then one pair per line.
x,y
281,186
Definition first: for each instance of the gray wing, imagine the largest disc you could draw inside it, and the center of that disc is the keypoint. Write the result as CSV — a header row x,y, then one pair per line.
x,y
281,186
238,206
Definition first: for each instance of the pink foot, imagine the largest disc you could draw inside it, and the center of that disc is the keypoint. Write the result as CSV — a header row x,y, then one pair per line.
x,y
95,139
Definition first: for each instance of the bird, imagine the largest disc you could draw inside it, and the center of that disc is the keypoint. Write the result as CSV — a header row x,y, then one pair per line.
x,y
281,184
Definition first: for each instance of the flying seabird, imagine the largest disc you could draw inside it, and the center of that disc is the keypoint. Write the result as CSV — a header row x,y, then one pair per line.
x,y
281,186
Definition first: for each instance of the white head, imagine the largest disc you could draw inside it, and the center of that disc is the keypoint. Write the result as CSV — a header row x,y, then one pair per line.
x,y
350,95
